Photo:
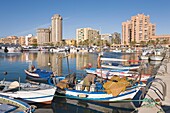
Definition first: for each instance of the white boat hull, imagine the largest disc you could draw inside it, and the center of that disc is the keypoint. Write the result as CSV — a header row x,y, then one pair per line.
x,y
101,96
117,51
142,57
32,74
156,58
57,50
42,93
40,96
120,67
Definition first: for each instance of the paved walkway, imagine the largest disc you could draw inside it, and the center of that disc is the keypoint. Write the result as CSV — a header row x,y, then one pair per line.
x,y
165,104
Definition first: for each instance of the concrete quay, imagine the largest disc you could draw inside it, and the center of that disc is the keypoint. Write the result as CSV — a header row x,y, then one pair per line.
x,y
156,91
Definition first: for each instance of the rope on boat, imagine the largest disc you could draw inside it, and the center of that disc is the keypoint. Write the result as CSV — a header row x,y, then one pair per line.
x,y
152,103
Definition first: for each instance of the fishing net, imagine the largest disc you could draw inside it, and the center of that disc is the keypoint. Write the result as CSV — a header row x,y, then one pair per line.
x,y
116,85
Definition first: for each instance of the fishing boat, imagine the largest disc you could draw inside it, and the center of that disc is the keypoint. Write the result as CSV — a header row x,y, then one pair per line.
x,y
97,70
156,57
57,50
131,76
97,92
145,54
129,50
8,104
30,48
39,73
31,93
119,66
117,50
110,61
144,57
100,96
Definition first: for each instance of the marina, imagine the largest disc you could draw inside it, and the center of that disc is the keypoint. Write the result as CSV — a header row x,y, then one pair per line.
x,y
80,56
63,64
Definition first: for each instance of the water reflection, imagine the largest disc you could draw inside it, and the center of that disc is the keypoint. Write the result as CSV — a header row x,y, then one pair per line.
x,y
61,105
15,64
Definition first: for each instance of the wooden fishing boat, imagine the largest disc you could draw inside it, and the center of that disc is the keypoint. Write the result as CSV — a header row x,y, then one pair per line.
x,y
156,57
97,70
31,93
39,73
8,104
143,78
97,93
117,50
100,96
117,66
144,57
110,64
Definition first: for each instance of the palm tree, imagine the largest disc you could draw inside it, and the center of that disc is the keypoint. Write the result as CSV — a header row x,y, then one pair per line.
x,y
125,42
132,43
86,42
91,42
165,41
80,43
143,43
157,41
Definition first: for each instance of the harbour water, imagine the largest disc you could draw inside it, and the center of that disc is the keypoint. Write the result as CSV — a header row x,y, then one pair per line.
x,y
63,64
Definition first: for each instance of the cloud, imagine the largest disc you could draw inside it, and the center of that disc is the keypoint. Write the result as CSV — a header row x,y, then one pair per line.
x,y
32,30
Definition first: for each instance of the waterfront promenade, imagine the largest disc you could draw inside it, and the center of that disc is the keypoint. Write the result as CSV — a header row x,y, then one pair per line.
x,y
164,105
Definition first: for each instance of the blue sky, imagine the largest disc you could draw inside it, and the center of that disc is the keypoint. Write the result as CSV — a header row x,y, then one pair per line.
x,y
21,17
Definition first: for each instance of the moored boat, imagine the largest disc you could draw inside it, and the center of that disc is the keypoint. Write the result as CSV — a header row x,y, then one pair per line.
x,y
143,77
109,63
156,57
100,96
31,93
97,70
131,67
100,92
117,50
8,104
38,73
144,57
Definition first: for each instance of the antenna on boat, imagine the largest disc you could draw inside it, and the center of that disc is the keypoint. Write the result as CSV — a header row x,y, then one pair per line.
x,y
19,83
68,64
5,73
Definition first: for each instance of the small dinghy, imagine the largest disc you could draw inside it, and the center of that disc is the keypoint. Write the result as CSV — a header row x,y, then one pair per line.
x,y
8,104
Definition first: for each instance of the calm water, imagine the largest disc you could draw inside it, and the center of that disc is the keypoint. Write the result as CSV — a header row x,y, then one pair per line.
x,y
14,65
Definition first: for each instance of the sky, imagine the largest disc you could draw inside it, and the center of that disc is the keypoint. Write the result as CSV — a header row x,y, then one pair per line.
x,y
22,17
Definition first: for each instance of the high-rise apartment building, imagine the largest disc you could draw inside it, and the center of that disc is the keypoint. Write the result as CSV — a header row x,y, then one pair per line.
x,y
83,34
137,29
43,36
56,28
